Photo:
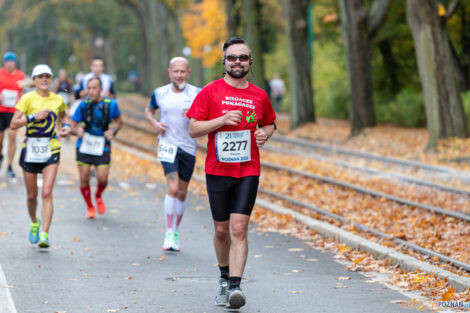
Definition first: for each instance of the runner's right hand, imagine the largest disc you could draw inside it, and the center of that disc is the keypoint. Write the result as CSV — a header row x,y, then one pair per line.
x,y
41,114
232,117
80,132
160,127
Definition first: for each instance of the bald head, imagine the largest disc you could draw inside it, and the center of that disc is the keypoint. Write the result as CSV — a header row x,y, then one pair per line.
x,y
179,60
179,73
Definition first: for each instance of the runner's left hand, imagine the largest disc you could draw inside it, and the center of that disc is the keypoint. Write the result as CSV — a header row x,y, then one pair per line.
x,y
109,134
260,137
63,132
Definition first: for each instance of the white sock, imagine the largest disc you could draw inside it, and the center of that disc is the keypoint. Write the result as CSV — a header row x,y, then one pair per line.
x,y
180,206
169,205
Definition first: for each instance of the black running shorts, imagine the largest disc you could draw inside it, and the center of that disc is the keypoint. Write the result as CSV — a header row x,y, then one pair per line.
x,y
96,160
37,167
5,120
229,195
183,164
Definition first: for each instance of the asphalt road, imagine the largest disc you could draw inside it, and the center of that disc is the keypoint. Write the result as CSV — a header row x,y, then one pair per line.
x,y
115,263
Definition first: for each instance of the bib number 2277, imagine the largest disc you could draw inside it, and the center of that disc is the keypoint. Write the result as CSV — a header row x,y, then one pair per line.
x,y
232,147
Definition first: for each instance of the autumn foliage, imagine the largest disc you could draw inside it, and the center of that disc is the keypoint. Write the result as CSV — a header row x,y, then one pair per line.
x,y
204,28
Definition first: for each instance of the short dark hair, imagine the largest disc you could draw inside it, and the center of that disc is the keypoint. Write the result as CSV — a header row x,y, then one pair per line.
x,y
234,41
97,58
94,78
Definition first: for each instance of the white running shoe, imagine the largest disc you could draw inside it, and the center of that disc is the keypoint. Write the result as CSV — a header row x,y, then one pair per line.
x,y
176,242
168,243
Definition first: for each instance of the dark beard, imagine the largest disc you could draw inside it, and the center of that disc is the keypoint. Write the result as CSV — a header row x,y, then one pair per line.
x,y
237,74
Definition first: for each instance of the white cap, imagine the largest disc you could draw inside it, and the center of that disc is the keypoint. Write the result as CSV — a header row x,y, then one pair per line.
x,y
41,69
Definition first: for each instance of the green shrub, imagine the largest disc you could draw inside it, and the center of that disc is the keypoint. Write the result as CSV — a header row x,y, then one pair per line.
x,y
466,106
407,109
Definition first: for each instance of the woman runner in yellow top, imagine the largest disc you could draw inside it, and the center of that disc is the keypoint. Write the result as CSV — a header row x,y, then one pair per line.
x,y
40,111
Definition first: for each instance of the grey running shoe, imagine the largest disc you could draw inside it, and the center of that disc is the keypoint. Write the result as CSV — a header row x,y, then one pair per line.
x,y
10,172
236,298
221,298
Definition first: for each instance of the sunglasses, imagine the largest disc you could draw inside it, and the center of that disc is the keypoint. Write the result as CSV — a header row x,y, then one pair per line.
x,y
241,57
44,76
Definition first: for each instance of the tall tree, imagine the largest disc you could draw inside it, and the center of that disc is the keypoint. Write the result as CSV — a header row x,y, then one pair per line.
x,y
232,9
252,34
300,80
444,110
359,26
153,19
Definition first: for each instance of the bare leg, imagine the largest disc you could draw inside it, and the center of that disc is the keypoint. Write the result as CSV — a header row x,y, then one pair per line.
x,y
85,173
30,180
49,174
11,146
239,243
222,242
102,173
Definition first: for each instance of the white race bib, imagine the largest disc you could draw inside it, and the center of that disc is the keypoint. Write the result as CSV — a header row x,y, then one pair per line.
x,y
233,147
9,98
38,150
92,145
166,150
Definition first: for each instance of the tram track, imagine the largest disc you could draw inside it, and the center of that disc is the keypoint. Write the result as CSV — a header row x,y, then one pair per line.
x,y
305,148
399,241
401,200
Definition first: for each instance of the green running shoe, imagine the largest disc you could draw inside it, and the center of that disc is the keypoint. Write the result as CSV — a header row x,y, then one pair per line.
x,y
34,231
43,240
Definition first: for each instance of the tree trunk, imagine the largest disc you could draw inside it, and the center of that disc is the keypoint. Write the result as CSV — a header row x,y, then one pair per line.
x,y
252,33
300,81
359,26
444,110
385,48
232,9
358,49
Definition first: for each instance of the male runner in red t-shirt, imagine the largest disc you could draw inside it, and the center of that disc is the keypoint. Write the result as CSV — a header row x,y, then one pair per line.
x,y
10,93
239,118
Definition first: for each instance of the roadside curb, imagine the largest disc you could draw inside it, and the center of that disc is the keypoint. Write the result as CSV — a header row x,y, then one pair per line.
x,y
406,262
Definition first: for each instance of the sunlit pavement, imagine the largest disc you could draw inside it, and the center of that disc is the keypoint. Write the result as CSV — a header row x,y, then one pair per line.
x,y
115,263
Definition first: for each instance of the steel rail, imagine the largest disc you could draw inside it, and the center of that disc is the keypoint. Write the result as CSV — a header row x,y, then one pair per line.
x,y
364,155
434,209
370,170
413,246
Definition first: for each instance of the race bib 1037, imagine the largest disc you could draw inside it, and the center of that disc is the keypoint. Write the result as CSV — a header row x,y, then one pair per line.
x,y
38,150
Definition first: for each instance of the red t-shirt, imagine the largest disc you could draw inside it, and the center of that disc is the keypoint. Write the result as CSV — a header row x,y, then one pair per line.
x,y
10,89
215,100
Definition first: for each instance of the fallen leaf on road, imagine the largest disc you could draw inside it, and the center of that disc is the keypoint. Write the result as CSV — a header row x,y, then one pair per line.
x,y
343,278
397,301
296,291
135,264
75,239
297,271
198,208
3,233
162,258
312,260
296,249
340,285
130,277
